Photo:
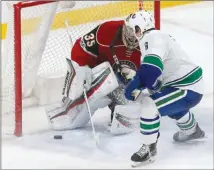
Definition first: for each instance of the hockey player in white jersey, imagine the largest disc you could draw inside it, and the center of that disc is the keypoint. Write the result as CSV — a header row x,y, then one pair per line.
x,y
175,82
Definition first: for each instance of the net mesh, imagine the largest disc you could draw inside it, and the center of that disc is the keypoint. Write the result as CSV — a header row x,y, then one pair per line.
x,y
45,44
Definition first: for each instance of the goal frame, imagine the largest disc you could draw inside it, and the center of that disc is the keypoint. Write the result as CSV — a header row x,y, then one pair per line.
x,y
18,61
18,54
156,12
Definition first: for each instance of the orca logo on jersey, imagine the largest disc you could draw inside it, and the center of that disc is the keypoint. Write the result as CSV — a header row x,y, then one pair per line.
x,y
126,64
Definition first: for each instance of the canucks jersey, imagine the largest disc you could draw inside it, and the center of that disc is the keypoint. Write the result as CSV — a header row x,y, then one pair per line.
x,y
163,60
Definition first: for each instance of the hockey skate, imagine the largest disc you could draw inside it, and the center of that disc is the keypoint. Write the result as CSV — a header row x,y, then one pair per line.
x,y
145,155
182,136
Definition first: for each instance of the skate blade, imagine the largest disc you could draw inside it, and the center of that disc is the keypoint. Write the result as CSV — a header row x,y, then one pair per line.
x,y
148,161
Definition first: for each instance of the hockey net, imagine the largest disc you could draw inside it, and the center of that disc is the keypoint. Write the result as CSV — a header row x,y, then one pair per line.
x,y
36,46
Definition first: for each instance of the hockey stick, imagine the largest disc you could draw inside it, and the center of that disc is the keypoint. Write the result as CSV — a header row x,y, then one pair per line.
x,y
69,35
96,137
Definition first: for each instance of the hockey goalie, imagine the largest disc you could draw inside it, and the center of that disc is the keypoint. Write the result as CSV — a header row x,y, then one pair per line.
x,y
103,62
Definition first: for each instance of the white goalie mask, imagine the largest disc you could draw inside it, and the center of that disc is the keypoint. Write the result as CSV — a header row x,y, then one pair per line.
x,y
139,22
129,38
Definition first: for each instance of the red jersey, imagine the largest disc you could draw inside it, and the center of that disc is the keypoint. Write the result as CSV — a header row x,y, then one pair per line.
x,y
94,47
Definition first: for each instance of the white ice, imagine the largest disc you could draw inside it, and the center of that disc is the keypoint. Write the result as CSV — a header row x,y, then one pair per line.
x,y
192,27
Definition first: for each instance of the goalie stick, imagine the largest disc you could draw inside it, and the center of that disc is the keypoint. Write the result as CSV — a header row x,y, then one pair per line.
x,y
95,135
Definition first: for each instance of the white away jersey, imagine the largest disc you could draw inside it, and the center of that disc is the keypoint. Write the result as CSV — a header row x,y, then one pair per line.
x,y
162,51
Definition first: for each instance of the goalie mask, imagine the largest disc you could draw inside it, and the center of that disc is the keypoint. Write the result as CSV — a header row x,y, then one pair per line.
x,y
129,38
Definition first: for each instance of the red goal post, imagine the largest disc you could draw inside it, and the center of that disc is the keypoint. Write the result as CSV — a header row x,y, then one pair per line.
x,y
29,36
156,12
18,61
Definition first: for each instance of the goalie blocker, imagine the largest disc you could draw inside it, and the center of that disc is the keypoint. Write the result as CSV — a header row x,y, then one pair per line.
x,y
72,113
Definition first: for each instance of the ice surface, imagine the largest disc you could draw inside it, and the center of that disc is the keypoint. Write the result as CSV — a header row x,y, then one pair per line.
x,y
77,149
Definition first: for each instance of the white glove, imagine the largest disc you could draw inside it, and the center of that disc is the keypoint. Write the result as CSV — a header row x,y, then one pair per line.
x,y
129,73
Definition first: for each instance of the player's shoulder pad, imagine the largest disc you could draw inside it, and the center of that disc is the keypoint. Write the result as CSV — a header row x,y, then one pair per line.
x,y
152,39
107,31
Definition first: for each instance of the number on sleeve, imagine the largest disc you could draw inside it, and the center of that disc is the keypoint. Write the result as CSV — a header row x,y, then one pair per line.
x,y
89,43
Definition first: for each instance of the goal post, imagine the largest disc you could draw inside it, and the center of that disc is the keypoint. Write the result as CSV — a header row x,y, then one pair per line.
x,y
156,11
157,14
37,44
27,33
18,61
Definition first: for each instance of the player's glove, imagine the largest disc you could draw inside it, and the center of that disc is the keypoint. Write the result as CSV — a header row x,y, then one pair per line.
x,y
133,89
122,78
125,75
156,88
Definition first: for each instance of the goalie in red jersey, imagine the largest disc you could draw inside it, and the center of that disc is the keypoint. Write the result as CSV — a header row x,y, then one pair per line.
x,y
110,42
96,46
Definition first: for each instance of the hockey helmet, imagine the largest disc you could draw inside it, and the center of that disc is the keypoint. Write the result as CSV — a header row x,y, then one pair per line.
x,y
139,22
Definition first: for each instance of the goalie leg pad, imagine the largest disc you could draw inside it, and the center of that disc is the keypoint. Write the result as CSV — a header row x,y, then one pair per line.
x,y
76,115
111,83
126,119
71,114
76,85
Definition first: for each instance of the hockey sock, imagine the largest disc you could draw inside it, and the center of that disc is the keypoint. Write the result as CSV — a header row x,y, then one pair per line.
x,y
187,123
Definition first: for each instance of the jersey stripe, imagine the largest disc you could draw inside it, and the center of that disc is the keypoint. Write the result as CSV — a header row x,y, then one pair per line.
x,y
171,99
192,77
154,60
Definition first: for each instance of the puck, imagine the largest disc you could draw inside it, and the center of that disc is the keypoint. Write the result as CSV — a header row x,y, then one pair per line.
x,y
57,136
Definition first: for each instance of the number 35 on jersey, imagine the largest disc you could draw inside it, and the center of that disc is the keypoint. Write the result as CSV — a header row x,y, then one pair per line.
x,y
89,43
